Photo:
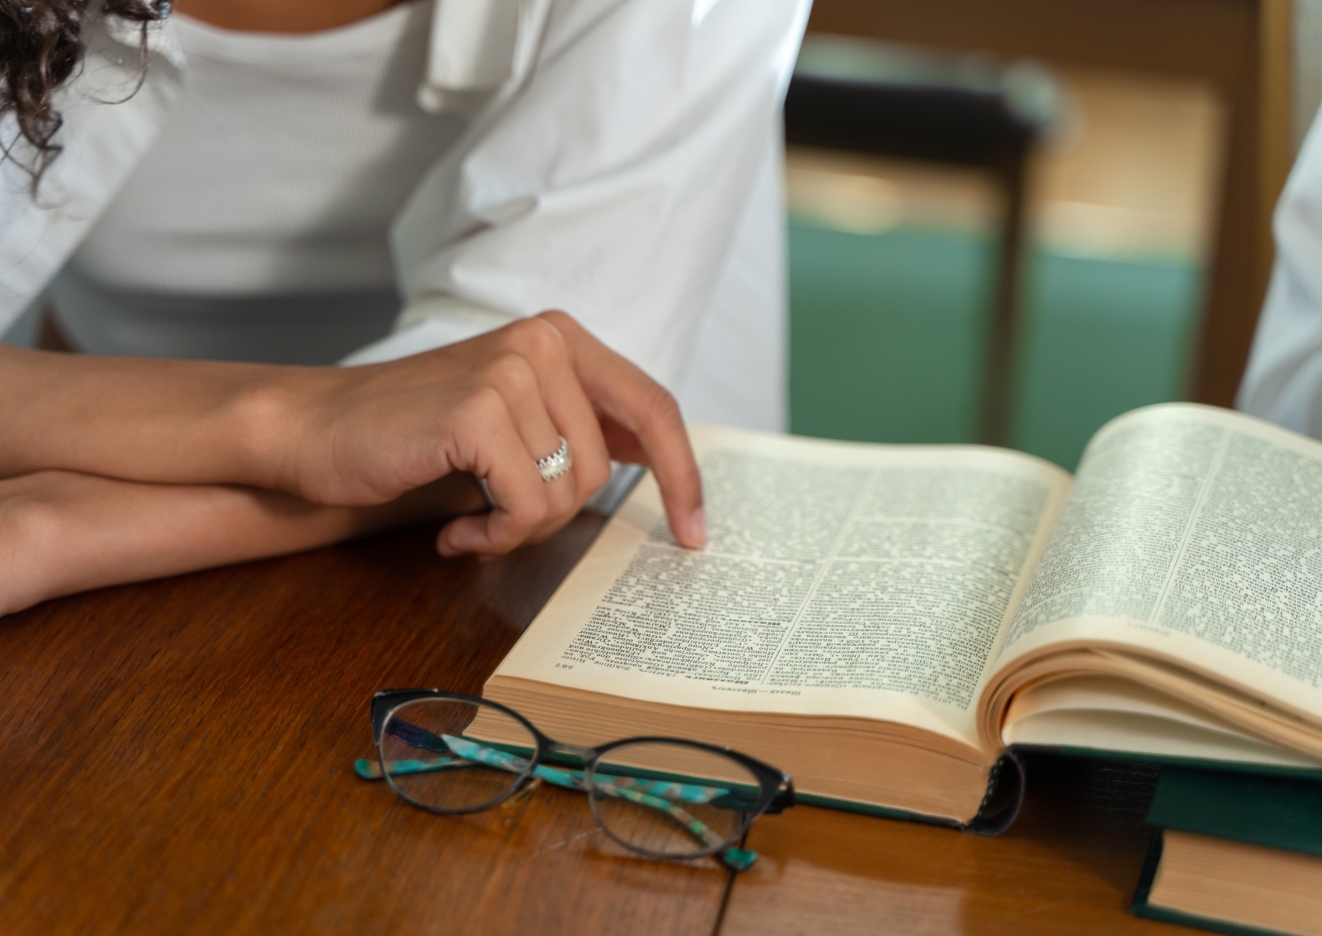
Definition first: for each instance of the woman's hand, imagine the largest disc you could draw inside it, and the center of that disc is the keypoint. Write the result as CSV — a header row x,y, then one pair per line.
x,y
348,437
62,532
493,406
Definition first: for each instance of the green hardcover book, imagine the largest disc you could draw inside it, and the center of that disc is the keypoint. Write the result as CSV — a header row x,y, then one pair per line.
x,y
1235,853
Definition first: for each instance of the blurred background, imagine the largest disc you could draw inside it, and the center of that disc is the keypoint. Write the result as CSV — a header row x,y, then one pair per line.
x,y
1011,221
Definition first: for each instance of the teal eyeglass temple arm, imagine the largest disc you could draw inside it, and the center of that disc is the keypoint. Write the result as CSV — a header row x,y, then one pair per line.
x,y
662,796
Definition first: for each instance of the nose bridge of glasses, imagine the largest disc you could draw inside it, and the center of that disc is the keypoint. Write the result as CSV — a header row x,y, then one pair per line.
x,y
784,798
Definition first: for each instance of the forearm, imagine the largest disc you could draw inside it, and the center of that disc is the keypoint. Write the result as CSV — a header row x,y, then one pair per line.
x,y
62,532
182,422
363,436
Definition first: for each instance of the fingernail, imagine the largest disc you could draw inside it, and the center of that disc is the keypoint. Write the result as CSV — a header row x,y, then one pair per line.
x,y
698,528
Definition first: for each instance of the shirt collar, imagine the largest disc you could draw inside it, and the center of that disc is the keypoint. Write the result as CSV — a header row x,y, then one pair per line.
x,y
478,47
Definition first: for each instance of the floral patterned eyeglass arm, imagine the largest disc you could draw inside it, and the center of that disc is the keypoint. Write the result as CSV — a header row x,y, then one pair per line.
x,y
663,796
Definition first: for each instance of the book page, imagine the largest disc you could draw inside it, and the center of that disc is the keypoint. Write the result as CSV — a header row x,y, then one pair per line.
x,y
839,579
1194,533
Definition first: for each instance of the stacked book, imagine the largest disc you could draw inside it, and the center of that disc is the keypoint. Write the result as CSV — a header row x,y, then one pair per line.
x,y
1235,852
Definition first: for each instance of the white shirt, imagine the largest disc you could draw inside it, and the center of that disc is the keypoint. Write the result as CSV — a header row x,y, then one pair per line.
x,y
256,226
618,159
1283,381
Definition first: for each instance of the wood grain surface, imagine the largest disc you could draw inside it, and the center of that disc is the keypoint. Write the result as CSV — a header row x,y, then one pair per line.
x,y
178,760
1069,864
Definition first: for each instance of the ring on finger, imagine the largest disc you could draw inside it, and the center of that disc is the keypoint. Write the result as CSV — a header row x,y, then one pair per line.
x,y
557,463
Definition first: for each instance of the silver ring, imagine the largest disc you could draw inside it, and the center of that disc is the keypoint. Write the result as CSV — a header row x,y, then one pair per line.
x,y
557,463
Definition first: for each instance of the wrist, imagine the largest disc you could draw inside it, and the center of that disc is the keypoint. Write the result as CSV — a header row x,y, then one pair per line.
x,y
31,529
267,417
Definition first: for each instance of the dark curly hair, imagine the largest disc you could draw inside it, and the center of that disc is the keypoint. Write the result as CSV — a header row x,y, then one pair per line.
x,y
41,45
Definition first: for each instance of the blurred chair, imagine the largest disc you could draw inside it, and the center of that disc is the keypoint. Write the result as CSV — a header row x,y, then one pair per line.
x,y
893,265
859,285
992,254
1120,223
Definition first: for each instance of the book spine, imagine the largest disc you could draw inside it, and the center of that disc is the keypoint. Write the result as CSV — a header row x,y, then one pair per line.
x,y
1004,798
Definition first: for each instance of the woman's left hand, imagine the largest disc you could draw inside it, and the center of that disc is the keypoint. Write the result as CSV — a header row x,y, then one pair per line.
x,y
62,532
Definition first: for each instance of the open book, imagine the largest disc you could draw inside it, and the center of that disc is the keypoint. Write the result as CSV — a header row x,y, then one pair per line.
x,y
883,622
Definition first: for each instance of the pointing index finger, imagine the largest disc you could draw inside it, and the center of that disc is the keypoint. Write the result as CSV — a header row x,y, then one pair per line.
x,y
624,394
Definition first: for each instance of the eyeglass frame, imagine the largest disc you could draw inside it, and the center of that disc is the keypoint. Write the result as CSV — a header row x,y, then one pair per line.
x,y
775,796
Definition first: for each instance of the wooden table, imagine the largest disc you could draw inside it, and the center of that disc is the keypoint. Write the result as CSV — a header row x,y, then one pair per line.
x,y
177,759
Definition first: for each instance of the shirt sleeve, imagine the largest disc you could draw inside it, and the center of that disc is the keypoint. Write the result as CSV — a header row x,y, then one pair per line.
x,y
610,185
1283,381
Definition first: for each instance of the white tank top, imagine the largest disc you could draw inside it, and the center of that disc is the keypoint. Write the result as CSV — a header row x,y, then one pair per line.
x,y
255,228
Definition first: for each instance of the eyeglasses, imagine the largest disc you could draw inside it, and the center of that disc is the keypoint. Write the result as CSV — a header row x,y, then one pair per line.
x,y
668,798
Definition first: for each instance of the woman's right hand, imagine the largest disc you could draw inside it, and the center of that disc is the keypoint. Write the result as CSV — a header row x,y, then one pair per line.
x,y
492,406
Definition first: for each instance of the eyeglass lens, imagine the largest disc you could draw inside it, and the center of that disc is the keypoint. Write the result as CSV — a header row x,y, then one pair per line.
x,y
666,799
672,799
454,756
